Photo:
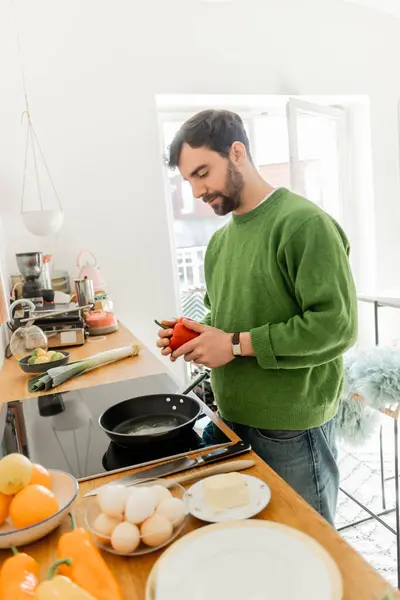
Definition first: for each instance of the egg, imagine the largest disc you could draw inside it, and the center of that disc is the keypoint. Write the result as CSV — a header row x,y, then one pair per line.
x,y
125,538
156,530
113,500
173,509
141,504
105,525
161,492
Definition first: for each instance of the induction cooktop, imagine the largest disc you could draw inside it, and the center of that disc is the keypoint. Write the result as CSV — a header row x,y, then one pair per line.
x,y
61,430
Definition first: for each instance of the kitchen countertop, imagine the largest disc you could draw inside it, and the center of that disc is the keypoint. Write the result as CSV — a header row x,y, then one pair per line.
x,y
360,580
14,382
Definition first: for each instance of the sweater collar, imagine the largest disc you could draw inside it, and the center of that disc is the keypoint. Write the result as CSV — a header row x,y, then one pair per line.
x,y
262,208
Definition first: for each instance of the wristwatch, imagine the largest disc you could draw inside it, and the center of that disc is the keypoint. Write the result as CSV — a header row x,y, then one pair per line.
x,y
236,348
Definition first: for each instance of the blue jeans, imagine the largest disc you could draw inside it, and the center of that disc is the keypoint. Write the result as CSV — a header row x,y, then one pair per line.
x,y
305,459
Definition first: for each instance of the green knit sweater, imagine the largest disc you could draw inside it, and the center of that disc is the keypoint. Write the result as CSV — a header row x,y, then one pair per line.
x,y
281,272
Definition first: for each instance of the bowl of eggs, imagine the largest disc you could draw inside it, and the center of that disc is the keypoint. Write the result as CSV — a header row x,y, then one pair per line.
x,y
139,519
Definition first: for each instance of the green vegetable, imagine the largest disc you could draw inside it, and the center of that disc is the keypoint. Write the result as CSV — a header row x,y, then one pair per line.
x,y
31,360
57,356
57,375
35,352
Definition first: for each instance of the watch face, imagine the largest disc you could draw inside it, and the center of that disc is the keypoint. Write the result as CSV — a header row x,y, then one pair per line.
x,y
236,350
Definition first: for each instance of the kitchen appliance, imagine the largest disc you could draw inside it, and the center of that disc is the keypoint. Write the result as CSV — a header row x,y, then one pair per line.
x,y
62,324
65,328
90,270
30,265
62,431
147,419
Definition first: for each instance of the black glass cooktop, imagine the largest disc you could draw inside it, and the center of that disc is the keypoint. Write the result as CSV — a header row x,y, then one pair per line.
x,y
61,431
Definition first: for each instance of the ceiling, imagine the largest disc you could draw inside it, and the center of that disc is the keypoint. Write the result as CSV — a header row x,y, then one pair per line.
x,y
391,7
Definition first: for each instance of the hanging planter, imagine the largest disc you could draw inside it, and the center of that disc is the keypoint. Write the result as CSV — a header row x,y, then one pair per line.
x,y
42,221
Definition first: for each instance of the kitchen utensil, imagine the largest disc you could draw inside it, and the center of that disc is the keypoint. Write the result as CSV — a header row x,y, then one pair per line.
x,y
90,270
229,467
145,419
43,367
176,466
65,487
245,559
259,497
104,542
84,291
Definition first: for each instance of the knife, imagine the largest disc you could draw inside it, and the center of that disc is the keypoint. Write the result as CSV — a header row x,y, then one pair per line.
x,y
175,466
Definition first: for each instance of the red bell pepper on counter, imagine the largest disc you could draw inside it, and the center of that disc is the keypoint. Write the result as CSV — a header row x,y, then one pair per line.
x,y
181,334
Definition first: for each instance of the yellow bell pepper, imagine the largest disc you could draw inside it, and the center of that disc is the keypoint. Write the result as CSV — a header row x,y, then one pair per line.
x,y
58,587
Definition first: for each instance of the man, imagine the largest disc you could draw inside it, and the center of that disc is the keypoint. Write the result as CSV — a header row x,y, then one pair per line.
x,y
281,304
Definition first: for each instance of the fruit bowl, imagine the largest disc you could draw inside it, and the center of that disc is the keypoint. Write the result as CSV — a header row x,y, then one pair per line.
x,y
65,488
104,541
43,367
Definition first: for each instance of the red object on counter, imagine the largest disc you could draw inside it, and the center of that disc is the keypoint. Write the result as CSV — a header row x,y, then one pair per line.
x,y
100,319
181,334
101,323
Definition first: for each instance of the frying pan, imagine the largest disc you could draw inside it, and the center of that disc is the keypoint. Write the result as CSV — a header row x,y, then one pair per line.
x,y
155,418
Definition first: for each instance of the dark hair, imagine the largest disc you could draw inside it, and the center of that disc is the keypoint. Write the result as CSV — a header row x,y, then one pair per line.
x,y
213,129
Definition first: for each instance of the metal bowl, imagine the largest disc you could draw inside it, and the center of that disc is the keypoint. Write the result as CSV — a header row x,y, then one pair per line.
x,y
42,368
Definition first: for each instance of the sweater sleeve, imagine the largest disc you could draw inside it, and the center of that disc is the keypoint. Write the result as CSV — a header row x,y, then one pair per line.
x,y
206,320
316,262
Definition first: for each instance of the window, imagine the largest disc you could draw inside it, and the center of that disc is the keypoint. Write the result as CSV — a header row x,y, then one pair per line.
x,y
317,140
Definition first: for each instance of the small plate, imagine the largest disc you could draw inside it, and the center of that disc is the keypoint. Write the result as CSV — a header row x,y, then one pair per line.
x,y
259,492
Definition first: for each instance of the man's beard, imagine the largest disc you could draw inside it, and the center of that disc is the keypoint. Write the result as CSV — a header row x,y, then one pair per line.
x,y
232,198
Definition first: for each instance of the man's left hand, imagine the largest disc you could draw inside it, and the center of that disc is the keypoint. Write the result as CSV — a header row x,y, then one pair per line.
x,y
212,348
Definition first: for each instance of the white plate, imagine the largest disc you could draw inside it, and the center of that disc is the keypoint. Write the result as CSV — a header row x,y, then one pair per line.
x,y
259,492
246,560
65,487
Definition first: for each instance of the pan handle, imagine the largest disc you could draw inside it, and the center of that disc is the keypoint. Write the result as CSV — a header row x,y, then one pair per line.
x,y
198,380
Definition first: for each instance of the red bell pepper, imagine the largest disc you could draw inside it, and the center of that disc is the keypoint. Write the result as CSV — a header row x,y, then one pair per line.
x,y
181,334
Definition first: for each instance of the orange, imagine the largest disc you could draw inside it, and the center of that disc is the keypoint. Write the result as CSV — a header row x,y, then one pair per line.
x,y
40,476
32,505
5,502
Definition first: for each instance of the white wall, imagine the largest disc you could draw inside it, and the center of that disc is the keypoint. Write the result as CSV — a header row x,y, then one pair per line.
x,y
93,69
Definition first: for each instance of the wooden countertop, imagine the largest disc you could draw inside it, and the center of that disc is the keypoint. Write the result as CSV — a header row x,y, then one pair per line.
x,y
360,580
14,382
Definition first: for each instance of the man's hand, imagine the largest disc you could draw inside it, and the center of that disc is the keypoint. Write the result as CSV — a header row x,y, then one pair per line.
x,y
164,336
212,348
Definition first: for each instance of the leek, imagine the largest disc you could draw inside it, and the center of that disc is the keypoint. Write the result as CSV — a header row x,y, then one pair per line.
x,y
58,375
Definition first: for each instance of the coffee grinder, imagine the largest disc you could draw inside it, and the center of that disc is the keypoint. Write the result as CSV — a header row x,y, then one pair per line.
x,y
30,266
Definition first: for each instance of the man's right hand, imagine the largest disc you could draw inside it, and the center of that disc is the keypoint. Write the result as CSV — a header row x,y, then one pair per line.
x,y
164,335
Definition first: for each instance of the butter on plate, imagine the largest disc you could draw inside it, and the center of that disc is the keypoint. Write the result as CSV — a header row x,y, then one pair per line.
x,y
225,491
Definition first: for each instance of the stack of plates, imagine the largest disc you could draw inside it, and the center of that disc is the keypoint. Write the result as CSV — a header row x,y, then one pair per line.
x,y
245,560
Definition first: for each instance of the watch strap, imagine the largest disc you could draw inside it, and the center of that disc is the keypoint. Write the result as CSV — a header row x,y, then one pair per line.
x,y
236,349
